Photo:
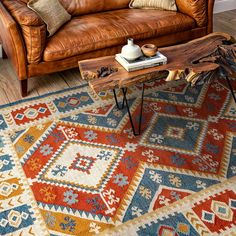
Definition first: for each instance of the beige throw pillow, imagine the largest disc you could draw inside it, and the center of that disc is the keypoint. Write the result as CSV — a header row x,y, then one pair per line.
x,y
154,4
51,12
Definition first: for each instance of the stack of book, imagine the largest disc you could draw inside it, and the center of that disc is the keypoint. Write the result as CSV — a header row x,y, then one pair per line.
x,y
142,62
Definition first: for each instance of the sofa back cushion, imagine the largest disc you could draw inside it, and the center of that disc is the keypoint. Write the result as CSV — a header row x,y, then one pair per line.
x,y
197,9
81,7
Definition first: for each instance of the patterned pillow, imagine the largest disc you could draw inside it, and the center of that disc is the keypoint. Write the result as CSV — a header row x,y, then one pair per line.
x,y
154,4
51,12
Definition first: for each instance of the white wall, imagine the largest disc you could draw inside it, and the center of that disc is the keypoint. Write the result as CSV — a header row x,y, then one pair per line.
x,y
224,5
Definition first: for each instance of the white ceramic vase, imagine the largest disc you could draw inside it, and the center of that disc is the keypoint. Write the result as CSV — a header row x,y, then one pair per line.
x,y
131,51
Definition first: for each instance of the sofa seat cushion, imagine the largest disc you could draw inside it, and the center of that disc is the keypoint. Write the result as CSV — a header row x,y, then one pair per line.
x,y
101,30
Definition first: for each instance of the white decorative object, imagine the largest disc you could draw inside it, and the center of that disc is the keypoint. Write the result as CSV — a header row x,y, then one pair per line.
x,y
131,51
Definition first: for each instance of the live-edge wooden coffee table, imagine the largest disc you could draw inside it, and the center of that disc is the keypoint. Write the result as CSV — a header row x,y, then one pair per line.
x,y
198,61
117,80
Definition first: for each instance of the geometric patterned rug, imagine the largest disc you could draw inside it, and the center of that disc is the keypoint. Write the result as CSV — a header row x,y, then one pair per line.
x,y
70,165
209,212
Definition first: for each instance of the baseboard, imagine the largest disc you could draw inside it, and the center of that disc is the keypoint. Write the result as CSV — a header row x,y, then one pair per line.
x,y
224,5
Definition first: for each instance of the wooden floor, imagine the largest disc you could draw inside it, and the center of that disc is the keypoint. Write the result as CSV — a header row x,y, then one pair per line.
x,y
225,22
9,90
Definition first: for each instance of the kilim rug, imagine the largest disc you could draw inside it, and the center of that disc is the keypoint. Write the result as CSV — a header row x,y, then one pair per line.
x,y
70,164
209,212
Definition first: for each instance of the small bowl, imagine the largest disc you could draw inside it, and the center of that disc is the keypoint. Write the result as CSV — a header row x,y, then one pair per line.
x,y
149,50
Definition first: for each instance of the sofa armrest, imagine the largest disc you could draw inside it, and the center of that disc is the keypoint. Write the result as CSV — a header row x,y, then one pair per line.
x,y
13,43
195,9
32,27
22,14
210,8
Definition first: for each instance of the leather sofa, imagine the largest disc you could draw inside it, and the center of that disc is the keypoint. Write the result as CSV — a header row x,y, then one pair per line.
x,y
97,28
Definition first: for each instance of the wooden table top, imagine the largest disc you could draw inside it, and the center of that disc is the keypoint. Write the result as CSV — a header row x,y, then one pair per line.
x,y
179,57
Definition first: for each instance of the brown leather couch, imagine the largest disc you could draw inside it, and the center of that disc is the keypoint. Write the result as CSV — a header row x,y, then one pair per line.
x,y
97,28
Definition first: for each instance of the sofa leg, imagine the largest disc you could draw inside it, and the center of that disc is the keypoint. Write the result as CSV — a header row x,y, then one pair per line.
x,y
24,87
4,55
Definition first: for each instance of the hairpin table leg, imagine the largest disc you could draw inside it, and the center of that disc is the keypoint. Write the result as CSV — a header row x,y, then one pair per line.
x,y
124,90
231,88
117,104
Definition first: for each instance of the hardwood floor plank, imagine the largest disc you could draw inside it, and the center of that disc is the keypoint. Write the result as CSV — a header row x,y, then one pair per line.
x,y
3,97
3,88
10,82
72,77
48,83
225,22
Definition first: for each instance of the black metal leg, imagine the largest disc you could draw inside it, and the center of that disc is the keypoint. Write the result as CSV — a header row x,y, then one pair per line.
x,y
231,88
117,104
124,90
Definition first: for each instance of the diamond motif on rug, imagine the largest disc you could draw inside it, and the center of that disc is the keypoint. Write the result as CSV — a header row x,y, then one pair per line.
x,y
92,164
170,132
31,113
166,231
72,101
222,210
183,228
175,132
208,217
82,163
